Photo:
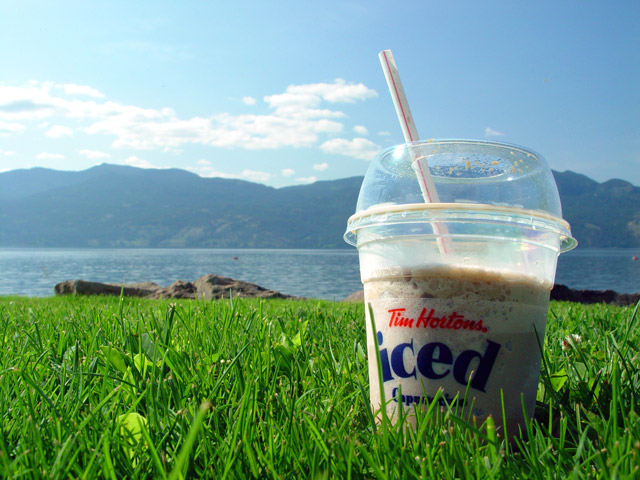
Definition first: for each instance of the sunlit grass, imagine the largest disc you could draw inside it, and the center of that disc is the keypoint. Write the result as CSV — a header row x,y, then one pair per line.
x,y
129,388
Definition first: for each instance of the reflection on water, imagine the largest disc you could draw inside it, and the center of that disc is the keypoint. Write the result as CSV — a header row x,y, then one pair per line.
x,y
330,274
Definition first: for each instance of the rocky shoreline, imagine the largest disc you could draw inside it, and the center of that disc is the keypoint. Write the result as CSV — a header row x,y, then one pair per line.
x,y
215,286
562,293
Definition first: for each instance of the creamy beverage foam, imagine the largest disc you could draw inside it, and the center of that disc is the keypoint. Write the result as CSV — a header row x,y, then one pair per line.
x,y
456,328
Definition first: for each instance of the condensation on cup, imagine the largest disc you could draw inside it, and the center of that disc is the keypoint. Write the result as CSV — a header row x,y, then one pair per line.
x,y
459,290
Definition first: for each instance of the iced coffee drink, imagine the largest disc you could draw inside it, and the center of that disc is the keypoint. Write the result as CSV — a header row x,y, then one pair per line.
x,y
461,330
459,289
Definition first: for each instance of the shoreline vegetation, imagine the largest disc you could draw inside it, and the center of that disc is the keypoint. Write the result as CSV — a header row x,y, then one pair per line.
x,y
127,387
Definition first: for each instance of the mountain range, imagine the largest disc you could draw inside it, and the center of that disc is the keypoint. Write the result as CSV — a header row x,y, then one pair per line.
x,y
120,206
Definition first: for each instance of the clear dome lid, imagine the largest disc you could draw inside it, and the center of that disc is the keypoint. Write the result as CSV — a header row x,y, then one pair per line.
x,y
477,177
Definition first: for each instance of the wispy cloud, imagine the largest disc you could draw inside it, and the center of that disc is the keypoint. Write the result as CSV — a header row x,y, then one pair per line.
x,y
297,118
134,161
204,168
85,90
361,130
249,100
307,179
357,148
288,172
491,133
6,153
59,131
321,167
11,128
337,92
255,176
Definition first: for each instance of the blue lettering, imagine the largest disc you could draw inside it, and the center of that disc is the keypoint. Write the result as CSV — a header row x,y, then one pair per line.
x,y
384,360
397,360
436,353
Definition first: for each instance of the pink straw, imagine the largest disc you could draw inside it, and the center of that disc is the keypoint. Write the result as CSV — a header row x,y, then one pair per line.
x,y
397,94
410,133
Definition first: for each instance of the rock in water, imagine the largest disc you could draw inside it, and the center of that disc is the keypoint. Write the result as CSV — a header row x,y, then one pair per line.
x,y
83,287
207,287
178,289
215,286
355,297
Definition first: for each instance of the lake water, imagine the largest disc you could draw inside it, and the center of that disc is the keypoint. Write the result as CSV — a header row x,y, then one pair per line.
x,y
329,274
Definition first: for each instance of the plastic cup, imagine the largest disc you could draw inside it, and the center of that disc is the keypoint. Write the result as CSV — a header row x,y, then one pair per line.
x,y
470,319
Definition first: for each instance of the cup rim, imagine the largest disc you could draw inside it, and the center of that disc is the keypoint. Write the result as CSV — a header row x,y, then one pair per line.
x,y
394,208
376,215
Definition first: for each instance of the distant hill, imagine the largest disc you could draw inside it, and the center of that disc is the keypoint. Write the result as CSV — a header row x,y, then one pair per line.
x,y
120,206
601,214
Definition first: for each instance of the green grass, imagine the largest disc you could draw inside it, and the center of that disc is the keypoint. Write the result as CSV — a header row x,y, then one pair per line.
x,y
130,388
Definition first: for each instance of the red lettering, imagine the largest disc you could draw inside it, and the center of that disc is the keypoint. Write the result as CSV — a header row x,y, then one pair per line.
x,y
452,318
422,320
397,320
395,313
453,321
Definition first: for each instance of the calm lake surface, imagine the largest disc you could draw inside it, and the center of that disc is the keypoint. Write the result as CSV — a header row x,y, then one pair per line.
x,y
329,274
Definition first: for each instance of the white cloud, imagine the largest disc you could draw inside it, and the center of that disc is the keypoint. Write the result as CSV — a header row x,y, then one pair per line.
x,y
59,131
321,167
490,132
206,170
49,156
306,179
384,134
298,117
255,176
94,154
361,130
73,89
32,101
337,92
265,131
9,128
6,153
288,172
357,148
134,161
299,101
249,100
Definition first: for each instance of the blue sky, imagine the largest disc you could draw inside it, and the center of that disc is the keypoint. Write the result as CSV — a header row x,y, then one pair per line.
x,y
289,92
